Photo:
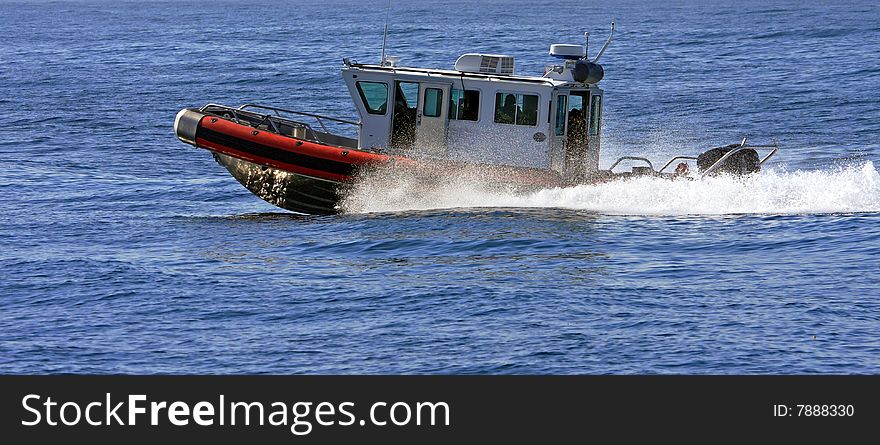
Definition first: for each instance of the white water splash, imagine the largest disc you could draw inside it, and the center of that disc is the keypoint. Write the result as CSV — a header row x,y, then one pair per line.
x,y
848,189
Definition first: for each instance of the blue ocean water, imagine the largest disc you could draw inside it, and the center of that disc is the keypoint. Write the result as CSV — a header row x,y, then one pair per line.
x,y
125,251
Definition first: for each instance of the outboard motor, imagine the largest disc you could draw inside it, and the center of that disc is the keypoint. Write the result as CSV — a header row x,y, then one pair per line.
x,y
742,162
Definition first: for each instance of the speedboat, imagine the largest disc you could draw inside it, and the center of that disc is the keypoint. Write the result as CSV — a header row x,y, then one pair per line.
x,y
479,120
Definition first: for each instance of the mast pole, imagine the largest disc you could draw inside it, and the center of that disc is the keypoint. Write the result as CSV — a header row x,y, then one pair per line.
x,y
385,34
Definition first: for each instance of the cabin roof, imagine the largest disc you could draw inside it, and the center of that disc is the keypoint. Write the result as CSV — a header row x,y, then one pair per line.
x,y
467,75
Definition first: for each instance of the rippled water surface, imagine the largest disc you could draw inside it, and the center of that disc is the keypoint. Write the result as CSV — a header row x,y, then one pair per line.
x,y
125,251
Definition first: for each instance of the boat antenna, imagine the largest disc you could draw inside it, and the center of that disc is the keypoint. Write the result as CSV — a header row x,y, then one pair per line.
x,y
385,33
586,44
605,46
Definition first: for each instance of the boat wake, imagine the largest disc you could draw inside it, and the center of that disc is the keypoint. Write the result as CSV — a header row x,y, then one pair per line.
x,y
853,188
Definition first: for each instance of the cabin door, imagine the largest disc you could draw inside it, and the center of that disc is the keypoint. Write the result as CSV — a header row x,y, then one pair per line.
x,y
576,162
570,146
432,119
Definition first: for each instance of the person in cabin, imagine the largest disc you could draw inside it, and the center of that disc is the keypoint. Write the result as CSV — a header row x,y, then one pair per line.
x,y
506,113
404,122
576,144
469,109
456,105
577,124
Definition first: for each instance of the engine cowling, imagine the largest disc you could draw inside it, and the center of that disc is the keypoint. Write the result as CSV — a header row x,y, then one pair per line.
x,y
740,163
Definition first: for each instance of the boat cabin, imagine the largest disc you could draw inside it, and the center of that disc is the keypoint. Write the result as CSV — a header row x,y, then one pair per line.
x,y
483,112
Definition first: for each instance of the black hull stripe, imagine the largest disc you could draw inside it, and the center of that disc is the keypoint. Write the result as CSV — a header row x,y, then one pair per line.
x,y
299,193
263,151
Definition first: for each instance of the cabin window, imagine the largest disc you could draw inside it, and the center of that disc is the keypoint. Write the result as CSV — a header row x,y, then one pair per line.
x,y
561,105
595,111
518,109
464,105
374,95
408,95
577,105
433,102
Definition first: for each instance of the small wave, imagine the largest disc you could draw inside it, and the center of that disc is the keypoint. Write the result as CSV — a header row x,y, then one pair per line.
x,y
821,33
852,188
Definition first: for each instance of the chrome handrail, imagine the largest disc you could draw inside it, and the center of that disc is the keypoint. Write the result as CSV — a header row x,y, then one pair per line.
x,y
311,134
692,158
736,149
769,155
317,117
225,107
720,161
630,158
